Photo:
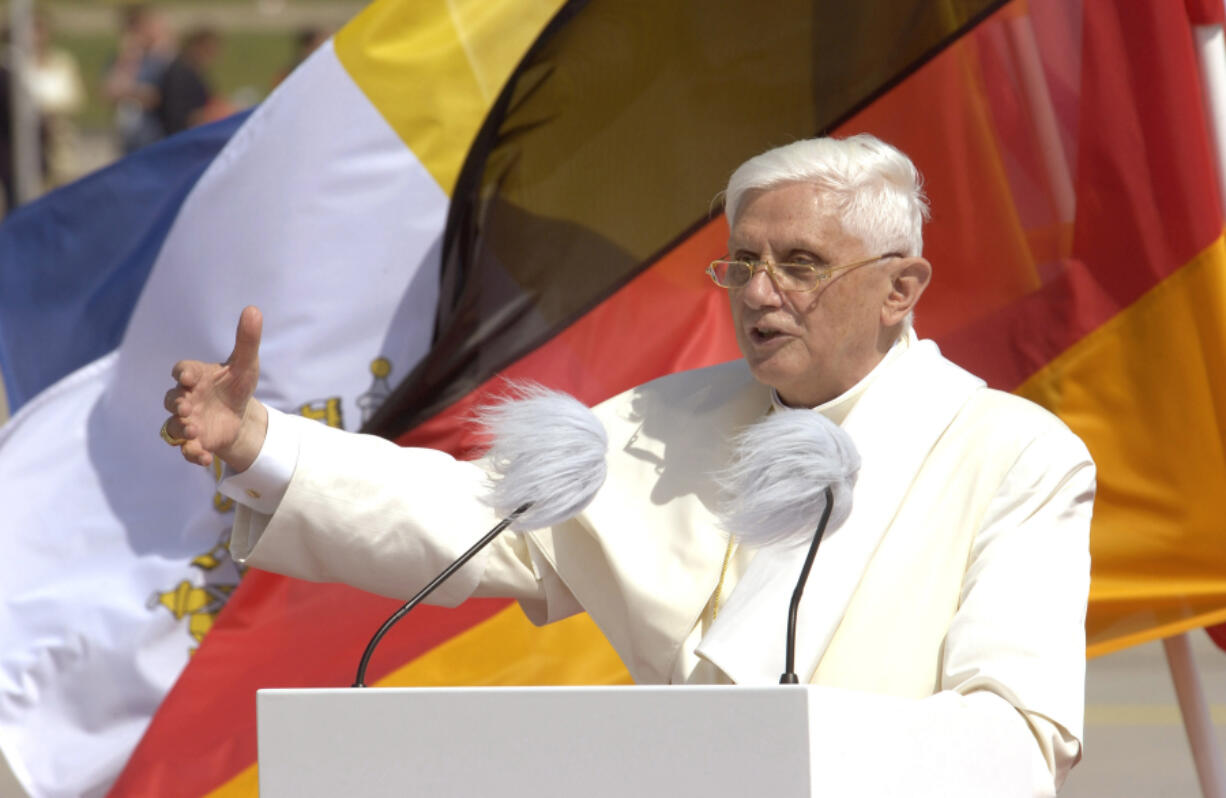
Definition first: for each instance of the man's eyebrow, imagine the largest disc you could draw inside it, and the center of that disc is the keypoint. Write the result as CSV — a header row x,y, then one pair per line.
x,y
795,253
806,253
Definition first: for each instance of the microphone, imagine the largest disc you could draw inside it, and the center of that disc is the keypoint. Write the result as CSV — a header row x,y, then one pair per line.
x,y
547,461
786,470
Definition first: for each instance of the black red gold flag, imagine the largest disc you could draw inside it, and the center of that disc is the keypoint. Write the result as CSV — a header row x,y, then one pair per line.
x,y
610,144
1077,245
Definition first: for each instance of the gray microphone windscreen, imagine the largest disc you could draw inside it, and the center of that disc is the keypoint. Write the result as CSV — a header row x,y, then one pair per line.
x,y
773,491
548,449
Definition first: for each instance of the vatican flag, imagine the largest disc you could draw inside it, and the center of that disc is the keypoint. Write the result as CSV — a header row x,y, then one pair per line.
x,y
325,207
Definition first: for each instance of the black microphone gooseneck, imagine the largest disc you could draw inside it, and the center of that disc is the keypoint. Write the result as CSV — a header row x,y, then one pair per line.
x,y
360,679
789,676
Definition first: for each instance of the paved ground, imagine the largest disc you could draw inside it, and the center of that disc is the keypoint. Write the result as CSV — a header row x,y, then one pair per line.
x,y
1135,744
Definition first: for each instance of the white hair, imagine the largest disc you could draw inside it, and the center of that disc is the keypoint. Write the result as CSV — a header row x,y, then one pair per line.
x,y
548,450
873,187
774,490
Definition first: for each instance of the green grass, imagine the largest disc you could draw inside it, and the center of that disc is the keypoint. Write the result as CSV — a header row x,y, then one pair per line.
x,y
121,3
248,65
92,53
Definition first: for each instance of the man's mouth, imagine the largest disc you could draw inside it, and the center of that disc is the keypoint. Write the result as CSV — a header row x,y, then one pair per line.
x,y
763,333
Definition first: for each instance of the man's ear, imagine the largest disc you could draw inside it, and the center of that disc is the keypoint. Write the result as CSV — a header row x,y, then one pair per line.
x,y
908,279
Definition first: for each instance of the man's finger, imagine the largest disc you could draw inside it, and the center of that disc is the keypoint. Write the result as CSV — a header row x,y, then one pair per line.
x,y
193,452
247,340
171,436
186,373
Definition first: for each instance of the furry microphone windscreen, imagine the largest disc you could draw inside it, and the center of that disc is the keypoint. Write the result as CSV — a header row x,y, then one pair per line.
x,y
549,449
774,489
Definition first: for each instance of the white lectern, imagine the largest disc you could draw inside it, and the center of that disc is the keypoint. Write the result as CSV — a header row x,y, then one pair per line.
x,y
620,741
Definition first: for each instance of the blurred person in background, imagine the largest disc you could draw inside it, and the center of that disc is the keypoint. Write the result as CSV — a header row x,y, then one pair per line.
x,y
187,99
54,81
145,49
8,187
7,195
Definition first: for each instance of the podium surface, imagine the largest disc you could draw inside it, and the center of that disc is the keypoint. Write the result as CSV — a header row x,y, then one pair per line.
x,y
614,741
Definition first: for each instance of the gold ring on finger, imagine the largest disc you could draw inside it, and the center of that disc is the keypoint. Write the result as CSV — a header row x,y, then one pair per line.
x,y
166,436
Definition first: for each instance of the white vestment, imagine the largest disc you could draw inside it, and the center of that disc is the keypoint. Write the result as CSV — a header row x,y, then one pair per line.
x,y
963,568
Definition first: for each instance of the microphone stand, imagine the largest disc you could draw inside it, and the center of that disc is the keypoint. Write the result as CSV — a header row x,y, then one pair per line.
x,y
789,676
360,680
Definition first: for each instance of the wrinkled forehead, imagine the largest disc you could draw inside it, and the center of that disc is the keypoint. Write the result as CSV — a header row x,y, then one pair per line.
x,y
789,216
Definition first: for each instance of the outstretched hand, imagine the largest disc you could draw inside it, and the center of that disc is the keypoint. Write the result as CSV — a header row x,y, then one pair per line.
x,y
213,412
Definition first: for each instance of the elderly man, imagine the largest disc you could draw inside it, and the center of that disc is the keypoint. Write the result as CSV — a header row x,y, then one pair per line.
x,y
961,572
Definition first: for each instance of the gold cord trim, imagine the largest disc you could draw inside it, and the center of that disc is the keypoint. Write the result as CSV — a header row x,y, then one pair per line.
x,y
719,587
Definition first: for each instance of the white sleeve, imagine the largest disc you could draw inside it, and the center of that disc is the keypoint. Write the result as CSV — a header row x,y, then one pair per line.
x,y
366,512
1019,631
265,481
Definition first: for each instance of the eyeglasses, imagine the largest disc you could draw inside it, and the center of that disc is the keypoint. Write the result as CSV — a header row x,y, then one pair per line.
x,y
786,276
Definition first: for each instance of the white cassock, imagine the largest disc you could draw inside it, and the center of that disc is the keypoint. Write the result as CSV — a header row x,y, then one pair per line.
x,y
962,572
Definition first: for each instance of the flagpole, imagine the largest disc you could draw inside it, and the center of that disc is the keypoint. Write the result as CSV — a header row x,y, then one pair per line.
x,y
1211,52
1197,721
26,177
1211,55
1043,117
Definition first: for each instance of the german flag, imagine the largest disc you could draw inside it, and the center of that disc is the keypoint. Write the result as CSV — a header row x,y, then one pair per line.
x,y
1078,254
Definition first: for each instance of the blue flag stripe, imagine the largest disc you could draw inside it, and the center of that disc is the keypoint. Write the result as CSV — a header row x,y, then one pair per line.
x,y
73,263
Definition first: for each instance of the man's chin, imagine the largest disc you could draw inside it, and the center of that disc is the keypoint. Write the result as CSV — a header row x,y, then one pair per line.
x,y
771,374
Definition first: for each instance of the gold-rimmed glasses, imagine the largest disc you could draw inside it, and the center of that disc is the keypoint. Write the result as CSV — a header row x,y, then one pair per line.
x,y
731,274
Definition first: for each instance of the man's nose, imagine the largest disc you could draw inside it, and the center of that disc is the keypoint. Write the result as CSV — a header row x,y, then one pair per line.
x,y
761,291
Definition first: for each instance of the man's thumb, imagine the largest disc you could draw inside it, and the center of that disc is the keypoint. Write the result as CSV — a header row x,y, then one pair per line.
x,y
246,352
